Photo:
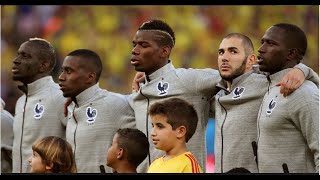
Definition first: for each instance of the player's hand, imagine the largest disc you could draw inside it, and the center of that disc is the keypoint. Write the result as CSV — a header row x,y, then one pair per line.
x,y
139,77
291,81
65,106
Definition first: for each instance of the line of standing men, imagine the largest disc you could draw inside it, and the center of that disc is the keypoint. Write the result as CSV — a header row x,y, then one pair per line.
x,y
94,110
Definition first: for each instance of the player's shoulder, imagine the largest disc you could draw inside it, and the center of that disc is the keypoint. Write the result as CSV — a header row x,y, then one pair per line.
x,y
308,87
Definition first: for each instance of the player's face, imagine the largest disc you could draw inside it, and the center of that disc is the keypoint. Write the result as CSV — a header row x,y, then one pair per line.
x,y
162,134
74,78
146,53
26,64
273,50
231,58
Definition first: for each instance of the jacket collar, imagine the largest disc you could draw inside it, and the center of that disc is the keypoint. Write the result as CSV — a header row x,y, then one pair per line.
x,y
37,85
86,95
277,77
223,84
162,71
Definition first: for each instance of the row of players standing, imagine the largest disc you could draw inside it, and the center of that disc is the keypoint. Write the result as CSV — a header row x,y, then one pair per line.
x,y
284,128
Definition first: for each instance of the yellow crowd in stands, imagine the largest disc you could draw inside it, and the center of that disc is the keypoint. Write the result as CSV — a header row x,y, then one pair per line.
x,y
109,30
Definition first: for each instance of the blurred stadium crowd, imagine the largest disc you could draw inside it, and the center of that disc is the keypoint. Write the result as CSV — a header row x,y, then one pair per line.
x,y
109,30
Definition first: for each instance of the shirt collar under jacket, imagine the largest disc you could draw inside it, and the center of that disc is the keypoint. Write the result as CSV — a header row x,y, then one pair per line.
x,y
160,72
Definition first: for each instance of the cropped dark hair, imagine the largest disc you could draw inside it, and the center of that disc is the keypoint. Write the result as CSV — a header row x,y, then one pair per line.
x,y
93,60
45,51
246,41
163,33
295,37
134,143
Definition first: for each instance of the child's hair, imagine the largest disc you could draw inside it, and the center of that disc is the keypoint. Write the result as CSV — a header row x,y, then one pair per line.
x,y
134,143
55,152
178,113
238,170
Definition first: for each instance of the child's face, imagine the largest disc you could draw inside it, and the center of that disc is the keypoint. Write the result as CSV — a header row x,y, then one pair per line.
x,y
36,164
162,134
112,152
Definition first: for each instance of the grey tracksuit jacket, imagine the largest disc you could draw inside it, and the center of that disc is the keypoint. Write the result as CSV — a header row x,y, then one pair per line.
x,y
38,113
288,129
93,119
236,121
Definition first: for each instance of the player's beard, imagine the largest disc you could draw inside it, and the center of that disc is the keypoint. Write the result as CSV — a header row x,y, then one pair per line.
x,y
236,73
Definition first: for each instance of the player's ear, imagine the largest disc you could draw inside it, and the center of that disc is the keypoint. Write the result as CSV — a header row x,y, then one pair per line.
x,y
251,60
165,51
294,54
92,77
44,66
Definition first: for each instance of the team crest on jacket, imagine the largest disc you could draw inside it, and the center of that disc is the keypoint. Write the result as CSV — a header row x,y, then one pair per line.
x,y
163,88
91,115
237,92
38,111
271,106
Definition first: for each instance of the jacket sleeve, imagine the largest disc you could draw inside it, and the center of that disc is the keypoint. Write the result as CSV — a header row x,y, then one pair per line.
x,y
212,107
202,81
308,73
127,118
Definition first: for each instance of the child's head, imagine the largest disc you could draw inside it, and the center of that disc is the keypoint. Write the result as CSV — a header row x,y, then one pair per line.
x,y
129,145
52,154
176,116
238,170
